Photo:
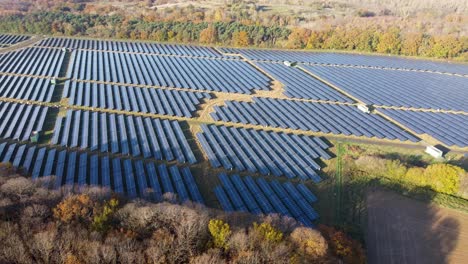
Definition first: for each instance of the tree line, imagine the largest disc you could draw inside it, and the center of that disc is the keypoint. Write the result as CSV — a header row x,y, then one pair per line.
x,y
38,225
228,33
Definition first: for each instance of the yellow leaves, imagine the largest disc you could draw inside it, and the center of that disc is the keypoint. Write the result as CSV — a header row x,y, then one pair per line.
x,y
240,39
390,42
444,178
101,220
268,232
309,242
220,232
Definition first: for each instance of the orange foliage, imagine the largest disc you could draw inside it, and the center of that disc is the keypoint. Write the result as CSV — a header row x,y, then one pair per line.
x,y
209,35
71,259
343,246
240,39
75,208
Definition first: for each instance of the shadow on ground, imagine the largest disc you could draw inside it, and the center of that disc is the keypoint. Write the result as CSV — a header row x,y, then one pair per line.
x,y
404,230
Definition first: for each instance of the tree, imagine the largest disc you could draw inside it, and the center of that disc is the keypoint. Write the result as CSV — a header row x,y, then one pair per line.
x,y
75,208
411,44
268,232
390,42
315,40
220,232
240,39
209,35
444,178
298,38
343,246
309,243
446,47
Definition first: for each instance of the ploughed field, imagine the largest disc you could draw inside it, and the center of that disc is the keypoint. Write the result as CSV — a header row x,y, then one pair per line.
x,y
142,119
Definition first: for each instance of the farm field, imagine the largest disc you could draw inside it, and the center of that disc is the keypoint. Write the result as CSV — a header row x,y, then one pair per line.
x,y
235,129
398,225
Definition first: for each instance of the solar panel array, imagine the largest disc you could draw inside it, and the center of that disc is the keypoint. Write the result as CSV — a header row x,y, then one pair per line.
x,y
33,61
134,178
350,60
8,40
450,129
138,47
26,88
177,72
128,135
259,196
299,84
398,88
18,121
263,152
135,99
308,116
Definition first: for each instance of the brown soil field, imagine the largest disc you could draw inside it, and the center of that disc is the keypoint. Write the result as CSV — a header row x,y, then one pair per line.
x,y
402,230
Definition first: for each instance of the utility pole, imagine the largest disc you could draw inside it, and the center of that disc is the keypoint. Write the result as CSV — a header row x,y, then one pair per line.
x,y
340,151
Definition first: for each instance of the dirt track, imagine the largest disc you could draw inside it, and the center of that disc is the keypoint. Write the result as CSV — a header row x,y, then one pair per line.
x,y
401,230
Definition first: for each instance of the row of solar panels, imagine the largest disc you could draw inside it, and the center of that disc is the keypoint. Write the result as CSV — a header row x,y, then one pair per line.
x,y
127,98
450,129
128,135
264,152
179,72
8,40
349,59
308,116
134,178
266,197
26,88
298,84
124,46
398,88
18,121
33,61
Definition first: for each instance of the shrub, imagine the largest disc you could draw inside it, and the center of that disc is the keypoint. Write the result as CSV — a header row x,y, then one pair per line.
x,y
268,232
394,169
220,232
444,178
365,13
309,243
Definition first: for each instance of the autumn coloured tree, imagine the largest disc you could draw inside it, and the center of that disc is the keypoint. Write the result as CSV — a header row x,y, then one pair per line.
x,y
209,35
240,39
390,42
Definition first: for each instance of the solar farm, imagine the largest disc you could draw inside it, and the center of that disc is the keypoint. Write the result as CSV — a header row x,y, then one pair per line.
x,y
234,129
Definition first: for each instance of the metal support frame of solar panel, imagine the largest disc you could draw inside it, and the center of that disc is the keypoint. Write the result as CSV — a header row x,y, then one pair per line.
x,y
317,117
73,169
47,62
126,134
18,121
349,59
398,88
164,71
8,39
136,47
264,152
259,196
299,84
450,129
